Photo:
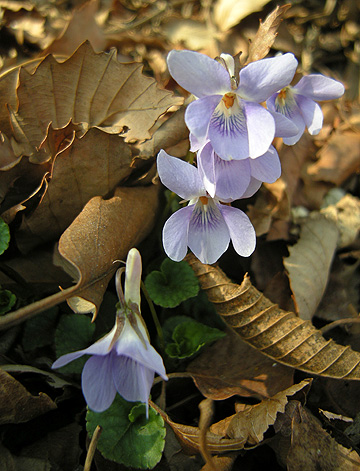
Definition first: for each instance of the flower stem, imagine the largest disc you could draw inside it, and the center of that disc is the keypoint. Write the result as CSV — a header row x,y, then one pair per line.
x,y
154,316
92,448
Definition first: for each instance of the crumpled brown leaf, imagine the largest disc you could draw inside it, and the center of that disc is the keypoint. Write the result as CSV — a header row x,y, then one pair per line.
x,y
248,374
86,167
17,404
312,448
251,423
90,88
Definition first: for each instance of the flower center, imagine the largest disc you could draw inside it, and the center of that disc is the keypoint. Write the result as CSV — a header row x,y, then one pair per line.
x,y
285,98
204,200
229,99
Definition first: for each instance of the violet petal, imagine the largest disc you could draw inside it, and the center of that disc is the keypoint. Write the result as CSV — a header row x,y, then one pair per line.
x,y
175,233
241,230
97,382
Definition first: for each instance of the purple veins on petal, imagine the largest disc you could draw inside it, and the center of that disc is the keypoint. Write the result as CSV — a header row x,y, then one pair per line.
x,y
208,236
198,115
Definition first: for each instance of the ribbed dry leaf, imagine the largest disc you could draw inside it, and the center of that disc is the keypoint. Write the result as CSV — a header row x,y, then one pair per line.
x,y
104,232
309,262
313,449
252,423
281,335
87,167
90,88
248,373
266,34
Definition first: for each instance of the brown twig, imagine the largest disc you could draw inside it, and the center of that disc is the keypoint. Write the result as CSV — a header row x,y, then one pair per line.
x,y
92,448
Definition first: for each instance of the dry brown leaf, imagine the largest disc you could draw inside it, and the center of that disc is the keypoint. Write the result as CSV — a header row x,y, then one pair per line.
x,y
248,374
338,159
266,34
281,335
313,449
309,262
104,232
251,422
90,166
228,13
94,89
168,135
189,437
17,404
193,35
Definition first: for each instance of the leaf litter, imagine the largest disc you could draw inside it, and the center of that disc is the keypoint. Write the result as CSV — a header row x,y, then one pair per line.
x,y
80,131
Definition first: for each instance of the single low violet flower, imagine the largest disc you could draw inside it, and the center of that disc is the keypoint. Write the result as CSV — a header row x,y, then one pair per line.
x,y
298,104
227,111
122,361
205,225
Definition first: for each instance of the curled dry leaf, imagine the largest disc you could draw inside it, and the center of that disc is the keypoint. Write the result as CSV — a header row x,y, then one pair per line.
x,y
90,88
90,166
189,437
104,232
310,259
252,423
17,404
231,367
281,335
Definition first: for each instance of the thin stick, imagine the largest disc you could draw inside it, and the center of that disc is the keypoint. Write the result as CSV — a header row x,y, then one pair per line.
x,y
349,320
92,448
154,316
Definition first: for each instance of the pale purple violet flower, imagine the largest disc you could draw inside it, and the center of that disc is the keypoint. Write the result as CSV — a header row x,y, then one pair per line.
x,y
233,179
298,104
227,111
205,225
122,361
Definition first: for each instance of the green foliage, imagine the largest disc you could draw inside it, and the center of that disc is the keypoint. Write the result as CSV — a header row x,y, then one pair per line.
x,y
39,331
7,300
127,436
4,236
189,336
175,283
74,332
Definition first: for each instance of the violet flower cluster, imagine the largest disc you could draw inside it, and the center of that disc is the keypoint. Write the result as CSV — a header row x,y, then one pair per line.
x,y
232,133
122,361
